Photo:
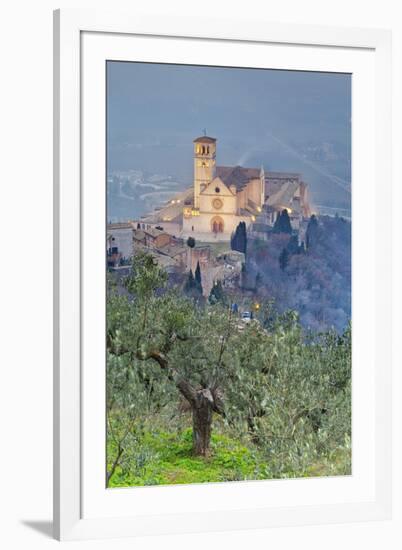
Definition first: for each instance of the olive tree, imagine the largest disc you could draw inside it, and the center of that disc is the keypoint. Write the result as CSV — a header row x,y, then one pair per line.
x,y
189,345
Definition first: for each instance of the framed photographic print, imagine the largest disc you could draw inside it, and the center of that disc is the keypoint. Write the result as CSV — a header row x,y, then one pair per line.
x,y
222,275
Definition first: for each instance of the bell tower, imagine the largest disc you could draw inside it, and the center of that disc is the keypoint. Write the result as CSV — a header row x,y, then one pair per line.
x,y
204,165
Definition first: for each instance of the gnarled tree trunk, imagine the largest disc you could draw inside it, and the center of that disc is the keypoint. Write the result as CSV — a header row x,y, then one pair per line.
x,y
203,403
202,409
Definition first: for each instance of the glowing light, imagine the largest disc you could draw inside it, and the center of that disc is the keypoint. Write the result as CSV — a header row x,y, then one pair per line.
x,y
258,208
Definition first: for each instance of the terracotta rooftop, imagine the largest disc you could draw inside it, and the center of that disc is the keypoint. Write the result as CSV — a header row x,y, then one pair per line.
x,y
120,225
205,139
282,175
284,196
153,232
278,182
237,175
139,234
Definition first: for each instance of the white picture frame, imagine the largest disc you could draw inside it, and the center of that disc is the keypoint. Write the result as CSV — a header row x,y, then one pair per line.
x,y
83,508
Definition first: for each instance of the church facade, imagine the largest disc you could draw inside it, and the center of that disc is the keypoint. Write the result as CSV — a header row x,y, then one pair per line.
x,y
223,196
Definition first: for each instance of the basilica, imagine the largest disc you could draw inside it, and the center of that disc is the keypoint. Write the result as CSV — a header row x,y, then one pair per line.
x,y
224,196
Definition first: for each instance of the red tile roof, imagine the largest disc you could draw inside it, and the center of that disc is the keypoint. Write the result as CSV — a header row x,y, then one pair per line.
x,y
237,175
205,139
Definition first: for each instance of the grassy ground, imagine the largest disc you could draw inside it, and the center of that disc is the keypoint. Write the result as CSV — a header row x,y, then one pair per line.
x,y
163,458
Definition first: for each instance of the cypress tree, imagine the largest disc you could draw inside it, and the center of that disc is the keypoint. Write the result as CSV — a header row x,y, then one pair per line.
x,y
282,223
190,283
283,259
286,226
238,240
312,232
243,233
197,278
197,274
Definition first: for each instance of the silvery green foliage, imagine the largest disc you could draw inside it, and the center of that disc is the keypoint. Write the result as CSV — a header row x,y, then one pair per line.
x,y
277,389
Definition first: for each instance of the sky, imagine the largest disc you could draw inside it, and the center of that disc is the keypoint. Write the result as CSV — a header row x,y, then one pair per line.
x,y
283,120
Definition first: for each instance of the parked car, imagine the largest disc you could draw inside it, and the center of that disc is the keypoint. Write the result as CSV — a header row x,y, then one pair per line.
x,y
246,316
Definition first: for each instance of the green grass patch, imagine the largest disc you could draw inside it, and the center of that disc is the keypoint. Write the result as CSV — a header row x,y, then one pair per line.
x,y
169,460
163,458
